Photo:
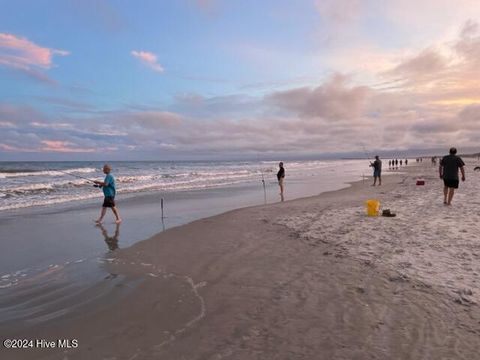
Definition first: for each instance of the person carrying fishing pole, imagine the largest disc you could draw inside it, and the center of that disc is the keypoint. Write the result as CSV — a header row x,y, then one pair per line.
x,y
108,187
377,170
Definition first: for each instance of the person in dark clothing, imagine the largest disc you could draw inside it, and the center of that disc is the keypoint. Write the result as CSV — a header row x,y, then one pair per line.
x,y
406,162
396,163
281,177
448,171
377,171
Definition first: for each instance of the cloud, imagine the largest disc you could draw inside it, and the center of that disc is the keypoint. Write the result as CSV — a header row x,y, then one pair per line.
x,y
8,148
149,59
150,119
196,105
333,100
427,62
63,147
7,124
339,11
205,4
101,14
470,115
209,7
23,55
440,15
66,104
26,130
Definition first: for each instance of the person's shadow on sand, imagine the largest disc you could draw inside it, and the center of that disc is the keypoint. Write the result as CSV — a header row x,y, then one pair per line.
x,y
111,241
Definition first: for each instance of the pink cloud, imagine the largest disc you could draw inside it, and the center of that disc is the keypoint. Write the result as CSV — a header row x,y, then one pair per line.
x,y
5,147
63,147
149,59
207,6
21,53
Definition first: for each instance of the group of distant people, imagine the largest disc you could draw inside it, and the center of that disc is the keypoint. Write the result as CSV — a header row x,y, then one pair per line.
x,y
448,170
393,164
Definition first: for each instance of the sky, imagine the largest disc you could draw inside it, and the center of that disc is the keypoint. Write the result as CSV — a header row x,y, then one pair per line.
x,y
225,79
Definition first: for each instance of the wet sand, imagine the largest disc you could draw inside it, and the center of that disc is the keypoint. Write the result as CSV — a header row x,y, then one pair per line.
x,y
306,279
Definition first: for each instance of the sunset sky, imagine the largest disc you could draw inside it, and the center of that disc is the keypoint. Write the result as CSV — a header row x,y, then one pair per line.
x,y
200,79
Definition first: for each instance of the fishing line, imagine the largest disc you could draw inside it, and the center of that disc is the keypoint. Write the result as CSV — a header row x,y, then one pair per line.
x,y
77,176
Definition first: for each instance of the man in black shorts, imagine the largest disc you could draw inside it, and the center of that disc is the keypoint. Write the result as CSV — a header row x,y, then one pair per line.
x,y
109,190
448,171
377,170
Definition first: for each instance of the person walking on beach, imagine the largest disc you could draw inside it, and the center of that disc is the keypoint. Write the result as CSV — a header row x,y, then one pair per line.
x,y
448,171
281,177
109,190
377,171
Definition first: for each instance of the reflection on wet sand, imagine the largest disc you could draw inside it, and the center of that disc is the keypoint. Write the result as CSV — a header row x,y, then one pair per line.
x,y
111,241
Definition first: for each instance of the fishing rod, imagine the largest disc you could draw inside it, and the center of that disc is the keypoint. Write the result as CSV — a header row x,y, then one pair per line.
x,y
264,190
263,181
367,155
78,176
477,168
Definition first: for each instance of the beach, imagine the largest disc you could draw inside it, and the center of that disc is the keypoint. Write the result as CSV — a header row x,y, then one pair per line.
x,y
311,278
46,217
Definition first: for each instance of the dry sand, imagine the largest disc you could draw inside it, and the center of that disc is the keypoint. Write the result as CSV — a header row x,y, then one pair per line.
x,y
307,279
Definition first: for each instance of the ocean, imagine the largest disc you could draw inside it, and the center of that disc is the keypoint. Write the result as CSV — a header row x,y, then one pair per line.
x,y
41,184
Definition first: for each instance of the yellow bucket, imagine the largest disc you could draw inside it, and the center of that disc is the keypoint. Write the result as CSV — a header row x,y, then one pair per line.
x,y
372,207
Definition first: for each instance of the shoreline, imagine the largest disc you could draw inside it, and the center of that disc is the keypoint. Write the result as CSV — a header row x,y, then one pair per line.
x,y
248,284
39,238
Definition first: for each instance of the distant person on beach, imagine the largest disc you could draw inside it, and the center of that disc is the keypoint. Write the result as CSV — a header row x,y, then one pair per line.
x,y
400,162
389,164
448,171
396,163
109,190
406,162
377,171
281,177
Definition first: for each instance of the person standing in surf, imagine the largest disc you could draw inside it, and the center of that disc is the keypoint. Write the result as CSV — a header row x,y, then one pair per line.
x,y
448,171
377,171
109,191
280,178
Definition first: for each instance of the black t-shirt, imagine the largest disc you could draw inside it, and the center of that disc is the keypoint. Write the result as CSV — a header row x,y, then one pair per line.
x,y
281,173
451,164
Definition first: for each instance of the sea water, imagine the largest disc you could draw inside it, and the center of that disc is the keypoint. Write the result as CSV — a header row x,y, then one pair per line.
x,y
33,184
